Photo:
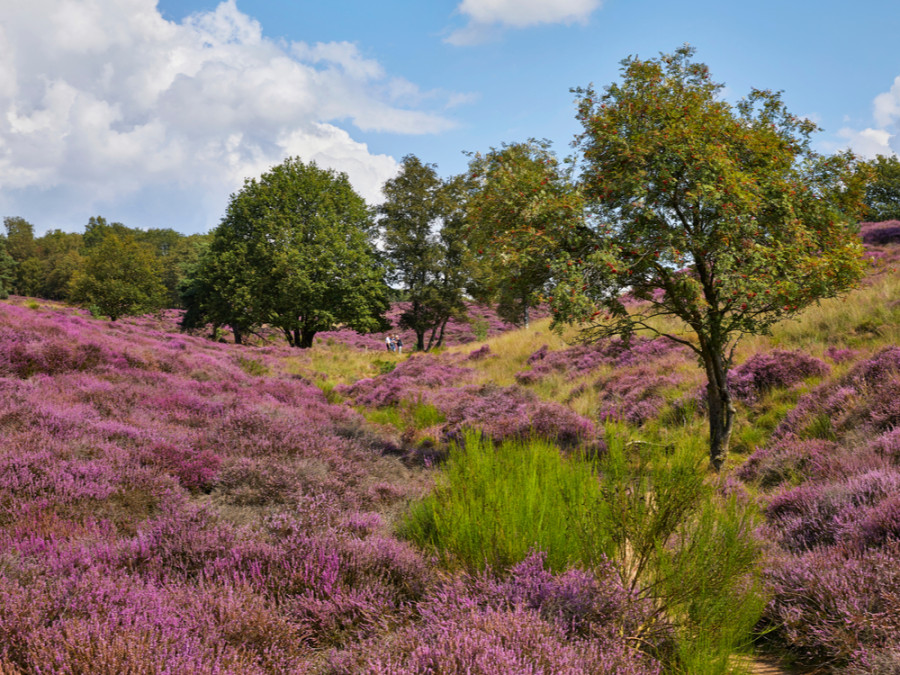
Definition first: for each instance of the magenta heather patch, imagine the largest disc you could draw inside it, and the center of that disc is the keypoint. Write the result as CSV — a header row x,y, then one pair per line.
x,y
632,396
775,369
510,412
529,622
584,358
789,460
879,234
829,604
405,381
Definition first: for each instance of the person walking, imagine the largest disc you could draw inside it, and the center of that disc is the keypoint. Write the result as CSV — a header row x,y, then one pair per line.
x,y
399,342
389,343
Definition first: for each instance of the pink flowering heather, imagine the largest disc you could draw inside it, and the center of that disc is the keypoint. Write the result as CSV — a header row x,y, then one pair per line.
x,y
528,622
581,359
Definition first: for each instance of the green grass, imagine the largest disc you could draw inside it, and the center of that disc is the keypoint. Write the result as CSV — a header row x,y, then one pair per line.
x,y
651,511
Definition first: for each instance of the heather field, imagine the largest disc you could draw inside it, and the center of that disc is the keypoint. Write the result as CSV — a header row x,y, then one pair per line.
x,y
514,503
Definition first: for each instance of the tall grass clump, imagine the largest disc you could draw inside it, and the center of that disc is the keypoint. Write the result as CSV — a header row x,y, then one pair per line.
x,y
493,503
674,541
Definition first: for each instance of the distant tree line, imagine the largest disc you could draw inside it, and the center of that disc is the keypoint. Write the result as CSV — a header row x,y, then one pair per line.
x,y
112,268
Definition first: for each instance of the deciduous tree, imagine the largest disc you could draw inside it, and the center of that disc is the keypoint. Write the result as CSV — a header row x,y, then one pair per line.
x,y
721,217
523,210
883,192
295,250
420,221
119,277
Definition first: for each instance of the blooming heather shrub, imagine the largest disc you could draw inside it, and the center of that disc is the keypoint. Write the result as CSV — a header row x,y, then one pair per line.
x,y
775,369
457,635
829,604
875,662
840,355
479,354
404,381
584,358
106,563
789,460
246,481
814,515
879,234
583,604
888,446
633,395
511,413
195,469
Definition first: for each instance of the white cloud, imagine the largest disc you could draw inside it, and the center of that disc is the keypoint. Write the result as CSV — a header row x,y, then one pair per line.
x,y
486,15
868,142
107,104
883,138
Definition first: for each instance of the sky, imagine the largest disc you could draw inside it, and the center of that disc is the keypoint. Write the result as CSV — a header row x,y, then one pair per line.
x,y
153,112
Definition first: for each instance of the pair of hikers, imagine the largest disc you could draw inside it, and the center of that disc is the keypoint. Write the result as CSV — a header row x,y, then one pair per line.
x,y
394,343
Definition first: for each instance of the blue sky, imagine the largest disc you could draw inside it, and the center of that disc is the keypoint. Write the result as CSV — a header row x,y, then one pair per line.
x,y
152,113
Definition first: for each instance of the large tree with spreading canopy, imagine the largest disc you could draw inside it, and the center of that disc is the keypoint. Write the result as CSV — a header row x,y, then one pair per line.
x,y
719,217
295,251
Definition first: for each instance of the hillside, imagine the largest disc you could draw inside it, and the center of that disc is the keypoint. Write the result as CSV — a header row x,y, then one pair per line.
x,y
173,504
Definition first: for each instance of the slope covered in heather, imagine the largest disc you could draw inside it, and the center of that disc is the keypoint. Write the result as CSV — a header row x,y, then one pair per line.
x,y
169,502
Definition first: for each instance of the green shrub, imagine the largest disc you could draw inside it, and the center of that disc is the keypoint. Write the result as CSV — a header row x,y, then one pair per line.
x,y
493,504
252,366
384,367
653,513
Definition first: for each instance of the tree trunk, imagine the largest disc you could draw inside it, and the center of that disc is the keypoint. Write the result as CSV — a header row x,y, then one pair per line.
x,y
306,339
525,312
721,409
441,336
420,340
238,337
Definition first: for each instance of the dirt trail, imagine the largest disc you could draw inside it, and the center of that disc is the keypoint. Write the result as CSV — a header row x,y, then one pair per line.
x,y
761,665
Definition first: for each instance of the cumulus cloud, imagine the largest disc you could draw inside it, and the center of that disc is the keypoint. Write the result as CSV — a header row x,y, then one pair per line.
x,y
109,105
486,16
883,138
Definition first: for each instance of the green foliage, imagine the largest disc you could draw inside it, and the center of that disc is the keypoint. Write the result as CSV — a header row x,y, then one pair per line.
x,y
252,366
721,217
883,191
19,238
492,504
673,539
294,251
7,271
119,277
420,219
424,415
480,329
522,210
383,367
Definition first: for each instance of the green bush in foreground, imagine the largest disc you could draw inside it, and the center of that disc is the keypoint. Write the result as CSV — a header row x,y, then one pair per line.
x,y
655,516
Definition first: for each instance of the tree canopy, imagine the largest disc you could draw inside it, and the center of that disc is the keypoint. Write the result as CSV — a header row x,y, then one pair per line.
x,y
294,250
883,191
420,221
119,277
719,216
522,210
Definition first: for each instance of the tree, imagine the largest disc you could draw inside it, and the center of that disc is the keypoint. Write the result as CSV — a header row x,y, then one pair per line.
x,y
119,277
7,271
721,217
883,192
522,208
217,290
419,220
295,250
